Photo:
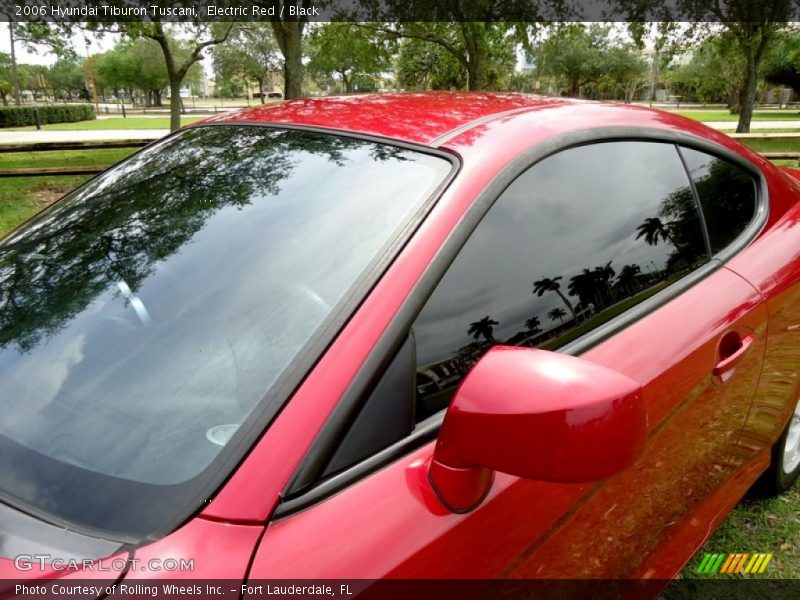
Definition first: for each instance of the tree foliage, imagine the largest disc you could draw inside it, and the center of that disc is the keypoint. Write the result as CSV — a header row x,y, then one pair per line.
x,y
782,62
250,56
712,74
180,53
348,51
578,57
752,24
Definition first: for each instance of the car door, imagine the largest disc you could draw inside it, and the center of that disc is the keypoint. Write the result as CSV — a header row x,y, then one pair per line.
x,y
601,251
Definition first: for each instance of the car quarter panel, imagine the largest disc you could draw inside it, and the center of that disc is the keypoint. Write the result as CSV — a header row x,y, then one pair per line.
x,y
772,264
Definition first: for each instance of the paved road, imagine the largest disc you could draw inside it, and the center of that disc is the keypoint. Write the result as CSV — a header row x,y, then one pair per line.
x,y
21,137
755,125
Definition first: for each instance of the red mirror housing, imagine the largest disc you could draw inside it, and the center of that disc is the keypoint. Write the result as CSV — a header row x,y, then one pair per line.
x,y
538,415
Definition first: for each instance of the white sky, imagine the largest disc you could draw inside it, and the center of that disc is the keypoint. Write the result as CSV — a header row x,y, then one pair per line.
x,y
41,56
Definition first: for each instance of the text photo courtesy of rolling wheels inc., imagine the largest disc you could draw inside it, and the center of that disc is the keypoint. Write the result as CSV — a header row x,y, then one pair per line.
x,y
381,299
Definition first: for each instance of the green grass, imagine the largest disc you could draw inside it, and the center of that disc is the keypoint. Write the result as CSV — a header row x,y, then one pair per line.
x,y
772,145
724,115
112,123
766,525
63,158
21,197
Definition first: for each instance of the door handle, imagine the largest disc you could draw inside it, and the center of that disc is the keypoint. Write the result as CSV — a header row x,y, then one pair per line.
x,y
734,356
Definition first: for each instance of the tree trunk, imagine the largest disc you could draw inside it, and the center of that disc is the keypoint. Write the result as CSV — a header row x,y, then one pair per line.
x,y
289,35
475,73
174,103
476,55
567,303
14,74
748,95
348,82
261,89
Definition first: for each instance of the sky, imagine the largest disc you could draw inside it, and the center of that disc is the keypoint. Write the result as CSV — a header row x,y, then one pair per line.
x,y
44,57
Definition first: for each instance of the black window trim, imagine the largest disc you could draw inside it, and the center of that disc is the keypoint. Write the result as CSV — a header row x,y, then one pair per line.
x,y
304,491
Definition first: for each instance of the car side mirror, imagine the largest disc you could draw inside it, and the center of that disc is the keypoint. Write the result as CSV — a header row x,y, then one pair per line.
x,y
537,415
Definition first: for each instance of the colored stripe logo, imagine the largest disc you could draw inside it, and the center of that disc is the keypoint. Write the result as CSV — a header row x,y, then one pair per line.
x,y
732,563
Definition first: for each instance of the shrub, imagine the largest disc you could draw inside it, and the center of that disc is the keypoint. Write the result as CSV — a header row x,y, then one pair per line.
x,y
21,116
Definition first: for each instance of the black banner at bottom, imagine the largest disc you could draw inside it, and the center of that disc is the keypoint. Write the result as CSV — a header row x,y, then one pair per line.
x,y
70,588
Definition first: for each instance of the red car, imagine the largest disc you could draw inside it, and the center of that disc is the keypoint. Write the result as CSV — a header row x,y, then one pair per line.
x,y
400,336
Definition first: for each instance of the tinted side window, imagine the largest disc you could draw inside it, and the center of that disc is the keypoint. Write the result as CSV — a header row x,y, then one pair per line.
x,y
576,240
727,195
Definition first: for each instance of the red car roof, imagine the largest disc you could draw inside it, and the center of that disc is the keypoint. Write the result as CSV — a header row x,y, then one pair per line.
x,y
414,117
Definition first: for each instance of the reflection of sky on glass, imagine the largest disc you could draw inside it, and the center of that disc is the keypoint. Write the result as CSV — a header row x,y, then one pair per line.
x,y
578,209
231,308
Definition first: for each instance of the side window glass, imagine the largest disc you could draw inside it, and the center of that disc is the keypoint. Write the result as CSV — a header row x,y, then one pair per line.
x,y
727,196
573,242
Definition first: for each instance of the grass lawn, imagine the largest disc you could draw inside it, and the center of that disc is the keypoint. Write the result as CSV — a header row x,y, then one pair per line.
x,y
724,115
21,197
790,145
62,158
112,123
771,525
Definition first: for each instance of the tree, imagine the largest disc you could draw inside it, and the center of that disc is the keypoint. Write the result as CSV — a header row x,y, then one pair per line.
x,y
653,230
712,75
579,57
66,76
349,51
533,325
289,35
751,23
628,278
626,72
584,286
574,54
422,66
251,55
483,328
551,284
136,64
479,48
557,314
179,56
782,62
34,35
6,87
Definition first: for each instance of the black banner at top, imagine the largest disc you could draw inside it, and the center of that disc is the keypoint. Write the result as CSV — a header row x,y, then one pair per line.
x,y
106,11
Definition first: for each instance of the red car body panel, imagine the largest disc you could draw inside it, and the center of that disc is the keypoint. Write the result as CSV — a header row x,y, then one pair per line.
x,y
411,117
644,522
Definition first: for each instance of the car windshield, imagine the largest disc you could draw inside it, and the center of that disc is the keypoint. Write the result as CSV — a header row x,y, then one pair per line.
x,y
147,320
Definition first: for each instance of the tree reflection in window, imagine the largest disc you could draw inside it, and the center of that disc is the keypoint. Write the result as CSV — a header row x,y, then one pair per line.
x,y
727,195
576,240
158,305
